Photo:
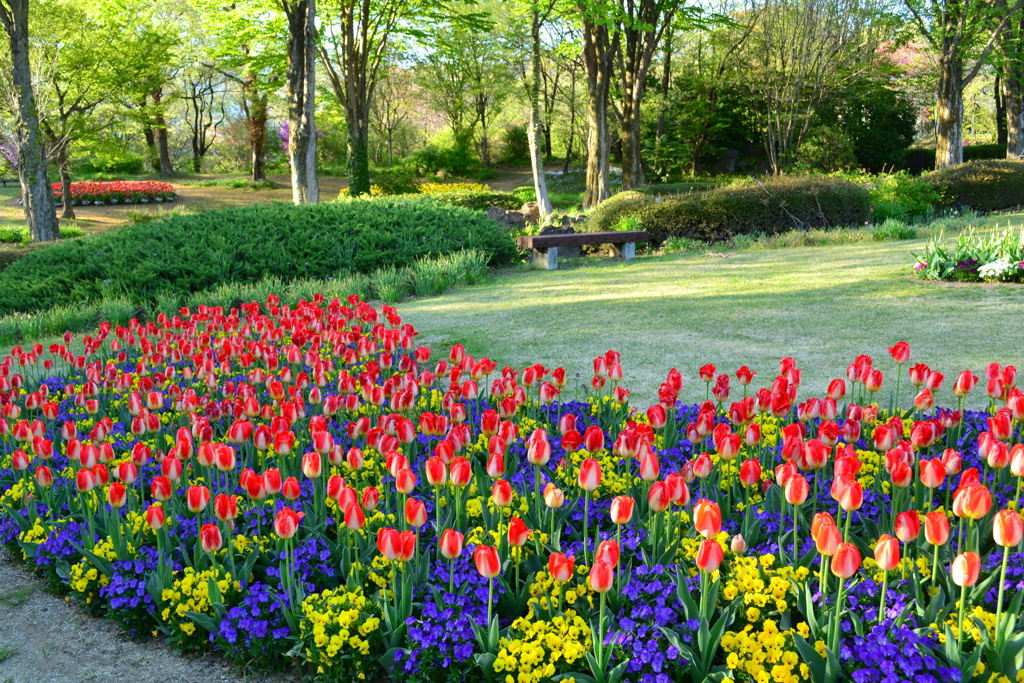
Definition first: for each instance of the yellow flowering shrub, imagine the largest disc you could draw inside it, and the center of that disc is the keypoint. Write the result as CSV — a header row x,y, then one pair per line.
x,y
538,649
339,632
442,188
190,592
766,654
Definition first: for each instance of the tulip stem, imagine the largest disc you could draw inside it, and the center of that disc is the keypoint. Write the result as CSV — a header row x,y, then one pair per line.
x,y
999,601
960,619
796,535
586,518
839,616
451,576
490,600
885,586
935,565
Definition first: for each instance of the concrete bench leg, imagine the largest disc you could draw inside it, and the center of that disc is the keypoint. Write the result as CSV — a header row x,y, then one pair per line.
x,y
546,259
626,251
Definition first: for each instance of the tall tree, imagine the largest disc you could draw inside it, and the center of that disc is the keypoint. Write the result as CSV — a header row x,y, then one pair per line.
x,y
203,94
301,85
959,31
37,195
540,185
601,40
643,24
1011,52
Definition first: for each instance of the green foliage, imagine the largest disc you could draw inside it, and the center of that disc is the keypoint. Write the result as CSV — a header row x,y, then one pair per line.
x,y
677,188
109,159
879,122
893,229
991,255
455,159
771,206
525,193
190,253
479,200
902,196
515,145
395,181
390,283
137,216
234,183
980,185
826,148
606,215
12,234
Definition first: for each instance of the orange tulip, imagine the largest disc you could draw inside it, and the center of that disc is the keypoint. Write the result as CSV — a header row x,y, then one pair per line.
x,y
965,569
846,560
887,553
707,518
709,555
1007,528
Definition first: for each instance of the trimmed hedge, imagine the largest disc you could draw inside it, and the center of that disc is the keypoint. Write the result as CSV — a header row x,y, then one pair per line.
x,y
186,254
607,215
773,206
981,185
479,200
922,160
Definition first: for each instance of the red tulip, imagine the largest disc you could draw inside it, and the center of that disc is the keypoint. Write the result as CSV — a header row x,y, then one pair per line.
x,y
797,490
501,493
750,472
964,383
116,495
487,563
593,439
973,502
290,489
197,497
354,516
408,546
657,416
1007,528
900,352
965,569
560,567
370,499
210,538
312,465
389,543
518,534
707,518
709,555
936,527
622,509
607,551
451,544
415,513
155,516
286,523
225,507
828,538
602,575
405,481
590,474
44,477
932,473
846,560
887,553
160,488
907,526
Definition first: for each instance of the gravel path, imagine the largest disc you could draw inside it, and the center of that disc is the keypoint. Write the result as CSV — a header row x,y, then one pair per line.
x,y
45,639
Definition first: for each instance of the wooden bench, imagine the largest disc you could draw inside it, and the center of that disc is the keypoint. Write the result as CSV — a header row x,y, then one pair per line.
x,y
4,181
544,248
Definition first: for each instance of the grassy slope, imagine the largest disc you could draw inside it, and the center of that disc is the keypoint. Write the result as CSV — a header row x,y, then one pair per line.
x,y
822,305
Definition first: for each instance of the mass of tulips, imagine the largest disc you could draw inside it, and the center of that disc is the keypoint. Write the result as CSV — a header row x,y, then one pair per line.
x,y
119,192
304,486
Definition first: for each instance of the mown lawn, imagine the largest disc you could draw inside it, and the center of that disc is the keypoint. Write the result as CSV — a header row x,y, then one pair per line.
x,y
821,305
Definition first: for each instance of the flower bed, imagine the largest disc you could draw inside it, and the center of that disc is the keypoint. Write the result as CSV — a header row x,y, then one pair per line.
x,y
303,486
119,192
984,257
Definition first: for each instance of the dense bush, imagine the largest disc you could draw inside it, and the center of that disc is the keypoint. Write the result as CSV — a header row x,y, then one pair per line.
x,y
770,206
479,200
663,189
455,159
981,185
189,253
607,215
919,160
19,234
902,196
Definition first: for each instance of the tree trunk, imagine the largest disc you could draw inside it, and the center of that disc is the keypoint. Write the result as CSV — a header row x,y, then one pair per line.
x,y
666,78
147,131
301,85
485,143
540,184
257,141
64,165
160,126
1000,102
949,109
598,56
1011,44
36,193
358,155
1013,94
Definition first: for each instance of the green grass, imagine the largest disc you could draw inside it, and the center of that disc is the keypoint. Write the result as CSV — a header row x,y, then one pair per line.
x,y
822,305
6,652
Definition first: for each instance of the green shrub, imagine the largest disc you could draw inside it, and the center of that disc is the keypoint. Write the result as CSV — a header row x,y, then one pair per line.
x,y
893,229
390,283
526,193
396,181
606,215
922,160
13,234
185,254
677,188
456,159
902,196
980,185
770,206
479,200
515,145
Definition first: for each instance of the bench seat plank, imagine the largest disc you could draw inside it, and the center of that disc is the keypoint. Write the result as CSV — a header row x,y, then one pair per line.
x,y
581,238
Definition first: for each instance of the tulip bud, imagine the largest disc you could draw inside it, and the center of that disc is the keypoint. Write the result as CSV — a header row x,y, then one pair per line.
x,y
622,509
602,575
738,544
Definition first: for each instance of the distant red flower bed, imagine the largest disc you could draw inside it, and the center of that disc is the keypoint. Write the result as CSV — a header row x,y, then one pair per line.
x,y
86,193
